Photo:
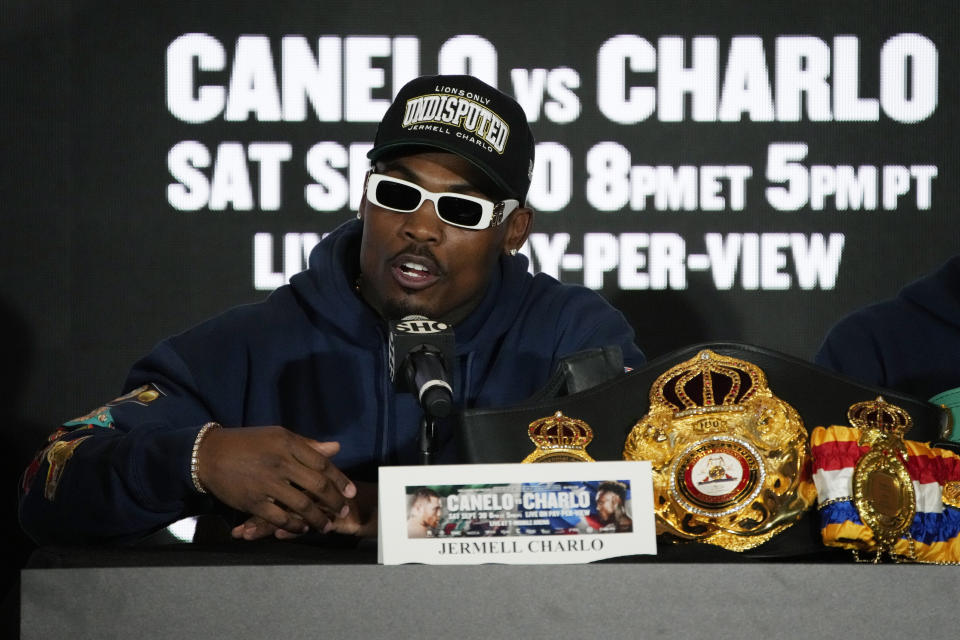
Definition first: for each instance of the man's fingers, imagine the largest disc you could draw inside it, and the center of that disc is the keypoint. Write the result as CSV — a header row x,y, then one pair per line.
x,y
288,534
253,529
320,489
298,504
256,528
327,449
362,518
316,456
294,522
283,534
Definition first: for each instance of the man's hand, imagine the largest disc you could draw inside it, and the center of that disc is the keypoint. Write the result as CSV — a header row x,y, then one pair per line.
x,y
361,519
284,479
256,528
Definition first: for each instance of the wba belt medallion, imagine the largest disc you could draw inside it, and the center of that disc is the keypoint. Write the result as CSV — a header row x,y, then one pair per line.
x,y
727,454
713,476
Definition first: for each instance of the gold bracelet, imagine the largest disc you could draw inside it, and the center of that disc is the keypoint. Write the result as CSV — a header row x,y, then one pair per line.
x,y
194,455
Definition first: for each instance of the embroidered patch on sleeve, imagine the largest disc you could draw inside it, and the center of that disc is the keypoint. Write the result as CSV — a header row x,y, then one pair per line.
x,y
99,417
37,462
57,455
102,416
142,396
30,474
58,451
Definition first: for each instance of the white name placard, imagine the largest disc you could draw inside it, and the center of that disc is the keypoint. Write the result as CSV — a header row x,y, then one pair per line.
x,y
549,513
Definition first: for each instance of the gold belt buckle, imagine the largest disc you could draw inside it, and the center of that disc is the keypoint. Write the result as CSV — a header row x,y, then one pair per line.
x,y
727,454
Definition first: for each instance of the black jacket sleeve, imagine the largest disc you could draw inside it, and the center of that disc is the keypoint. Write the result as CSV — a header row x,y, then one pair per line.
x,y
123,470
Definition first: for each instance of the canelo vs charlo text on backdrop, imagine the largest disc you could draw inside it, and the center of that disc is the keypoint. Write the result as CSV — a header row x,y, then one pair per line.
x,y
333,79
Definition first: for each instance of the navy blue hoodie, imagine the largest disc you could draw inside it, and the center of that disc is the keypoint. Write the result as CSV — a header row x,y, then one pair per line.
x,y
910,343
313,358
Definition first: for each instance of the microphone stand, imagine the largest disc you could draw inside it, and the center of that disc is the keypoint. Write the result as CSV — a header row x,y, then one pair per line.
x,y
428,439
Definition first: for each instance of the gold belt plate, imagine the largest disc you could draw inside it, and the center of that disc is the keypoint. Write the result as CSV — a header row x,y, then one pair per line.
x,y
727,454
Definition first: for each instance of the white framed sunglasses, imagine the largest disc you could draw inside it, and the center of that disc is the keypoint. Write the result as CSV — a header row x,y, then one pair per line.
x,y
457,209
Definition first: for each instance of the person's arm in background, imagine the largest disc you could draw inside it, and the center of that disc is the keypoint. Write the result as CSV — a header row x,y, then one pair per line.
x,y
851,349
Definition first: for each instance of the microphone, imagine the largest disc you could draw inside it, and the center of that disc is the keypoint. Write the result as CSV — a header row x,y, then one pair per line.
x,y
421,352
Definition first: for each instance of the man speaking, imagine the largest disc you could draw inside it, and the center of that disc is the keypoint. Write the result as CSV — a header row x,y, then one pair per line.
x,y
282,411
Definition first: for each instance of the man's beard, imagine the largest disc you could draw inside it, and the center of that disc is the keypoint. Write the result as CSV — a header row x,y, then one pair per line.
x,y
396,310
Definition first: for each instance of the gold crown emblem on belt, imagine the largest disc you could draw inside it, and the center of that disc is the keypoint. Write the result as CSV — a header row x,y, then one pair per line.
x,y
726,453
559,438
880,418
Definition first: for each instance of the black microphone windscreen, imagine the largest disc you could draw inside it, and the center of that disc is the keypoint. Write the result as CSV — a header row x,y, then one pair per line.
x,y
415,332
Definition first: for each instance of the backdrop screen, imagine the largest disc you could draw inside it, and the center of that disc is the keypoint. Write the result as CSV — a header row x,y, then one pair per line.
x,y
718,170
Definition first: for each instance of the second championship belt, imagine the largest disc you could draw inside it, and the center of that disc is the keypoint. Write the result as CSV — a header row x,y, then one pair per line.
x,y
728,456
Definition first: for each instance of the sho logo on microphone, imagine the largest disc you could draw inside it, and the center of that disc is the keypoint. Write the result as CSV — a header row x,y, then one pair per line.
x,y
408,328
421,326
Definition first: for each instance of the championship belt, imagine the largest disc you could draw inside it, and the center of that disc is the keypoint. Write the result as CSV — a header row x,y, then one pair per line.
x,y
728,456
882,495
559,439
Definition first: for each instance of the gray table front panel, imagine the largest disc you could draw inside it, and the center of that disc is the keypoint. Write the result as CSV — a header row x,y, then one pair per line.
x,y
607,600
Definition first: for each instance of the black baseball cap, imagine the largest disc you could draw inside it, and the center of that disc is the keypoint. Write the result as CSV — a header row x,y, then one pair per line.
x,y
465,116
